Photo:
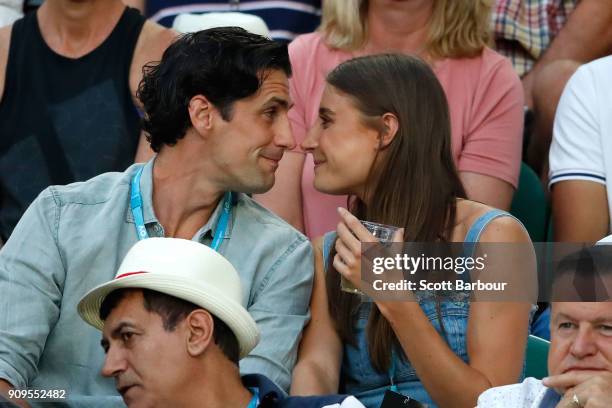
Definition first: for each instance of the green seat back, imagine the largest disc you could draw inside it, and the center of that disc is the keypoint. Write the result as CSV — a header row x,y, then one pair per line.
x,y
530,205
536,357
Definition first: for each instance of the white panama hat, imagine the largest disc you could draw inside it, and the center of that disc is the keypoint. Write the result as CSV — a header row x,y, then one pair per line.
x,y
184,269
189,23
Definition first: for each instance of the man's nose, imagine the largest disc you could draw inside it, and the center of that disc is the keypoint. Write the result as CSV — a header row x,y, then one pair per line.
x,y
114,363
584,344
283,135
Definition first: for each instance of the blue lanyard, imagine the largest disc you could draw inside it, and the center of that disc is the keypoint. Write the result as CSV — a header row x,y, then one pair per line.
x,y
393,387
141,230
255,400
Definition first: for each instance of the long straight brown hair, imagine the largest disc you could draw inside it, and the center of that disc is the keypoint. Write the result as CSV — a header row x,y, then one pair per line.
x,y
413,182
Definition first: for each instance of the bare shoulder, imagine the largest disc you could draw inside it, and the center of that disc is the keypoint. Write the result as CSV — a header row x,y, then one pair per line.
x,y
152,42
5,41
505,229
318,243
500,229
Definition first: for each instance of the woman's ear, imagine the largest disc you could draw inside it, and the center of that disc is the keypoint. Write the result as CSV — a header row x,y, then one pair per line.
x,y
200,113
390,126
200,327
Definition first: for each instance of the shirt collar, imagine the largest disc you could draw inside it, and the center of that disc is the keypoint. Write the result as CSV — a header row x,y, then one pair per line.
x,y
146,192
211,225
550,399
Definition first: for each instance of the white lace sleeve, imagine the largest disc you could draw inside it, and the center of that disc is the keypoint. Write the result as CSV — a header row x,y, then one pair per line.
x,y
527,394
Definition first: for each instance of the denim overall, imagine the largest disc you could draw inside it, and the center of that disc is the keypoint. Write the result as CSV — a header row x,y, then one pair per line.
x,y
362,380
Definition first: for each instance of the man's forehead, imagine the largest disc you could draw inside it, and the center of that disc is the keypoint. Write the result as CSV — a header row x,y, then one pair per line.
x,y
273,75
266,97
273,90
274,80
126,310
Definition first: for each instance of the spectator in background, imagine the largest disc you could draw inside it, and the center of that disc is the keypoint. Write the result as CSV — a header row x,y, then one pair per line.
x,y
190,23
383,137
547,40
68,78
579,363
216,113
484,94
580,355
286,19
30,5
10,10
581,156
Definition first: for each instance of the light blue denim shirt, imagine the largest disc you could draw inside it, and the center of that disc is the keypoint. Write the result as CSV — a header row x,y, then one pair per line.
x,y
74,237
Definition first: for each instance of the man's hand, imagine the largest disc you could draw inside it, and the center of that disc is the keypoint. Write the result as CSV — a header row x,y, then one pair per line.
x,y
5,386
587,389
527,82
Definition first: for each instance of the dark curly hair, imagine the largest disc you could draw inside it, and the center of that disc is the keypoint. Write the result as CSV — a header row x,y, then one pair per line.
x,y
223,64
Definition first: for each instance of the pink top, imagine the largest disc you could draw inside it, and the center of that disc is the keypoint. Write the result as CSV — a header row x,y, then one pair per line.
x,y
485,100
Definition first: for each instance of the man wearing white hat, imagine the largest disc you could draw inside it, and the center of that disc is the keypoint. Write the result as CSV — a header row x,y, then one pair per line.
x,y
173,331
216,114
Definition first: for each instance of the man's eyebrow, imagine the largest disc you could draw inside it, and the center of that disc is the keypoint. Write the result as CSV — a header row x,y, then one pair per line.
x,y
595,320
600,320
115,334
563,316
275,100
117,331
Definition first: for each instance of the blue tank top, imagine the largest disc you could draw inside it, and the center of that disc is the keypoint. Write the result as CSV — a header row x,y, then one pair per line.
x,y
362,380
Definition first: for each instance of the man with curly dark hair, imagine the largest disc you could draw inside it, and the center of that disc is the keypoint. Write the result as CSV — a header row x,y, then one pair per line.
x,y
216,113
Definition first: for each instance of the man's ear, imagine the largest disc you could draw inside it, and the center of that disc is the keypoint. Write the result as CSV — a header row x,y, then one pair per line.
x,y
390,126
200,328
201,113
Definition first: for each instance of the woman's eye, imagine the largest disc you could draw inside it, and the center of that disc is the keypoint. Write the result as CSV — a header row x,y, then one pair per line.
x,y
324,122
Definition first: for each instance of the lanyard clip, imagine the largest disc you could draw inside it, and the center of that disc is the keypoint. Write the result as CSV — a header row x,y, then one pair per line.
x,y
393,387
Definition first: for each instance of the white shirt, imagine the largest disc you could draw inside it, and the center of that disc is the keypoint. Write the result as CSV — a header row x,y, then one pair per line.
x,y
10,10
349,402
582,136
528,394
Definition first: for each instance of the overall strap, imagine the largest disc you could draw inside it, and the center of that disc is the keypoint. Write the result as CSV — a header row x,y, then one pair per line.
x,y
473,234
328,241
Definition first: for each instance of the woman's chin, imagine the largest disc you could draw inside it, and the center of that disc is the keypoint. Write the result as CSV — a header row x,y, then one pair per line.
x,y
328,188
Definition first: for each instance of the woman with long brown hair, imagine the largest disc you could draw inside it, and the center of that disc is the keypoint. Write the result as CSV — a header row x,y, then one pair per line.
x,y
484,95
383,139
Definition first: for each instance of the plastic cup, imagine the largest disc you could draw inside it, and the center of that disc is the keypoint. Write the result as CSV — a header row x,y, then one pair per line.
x,y
383,233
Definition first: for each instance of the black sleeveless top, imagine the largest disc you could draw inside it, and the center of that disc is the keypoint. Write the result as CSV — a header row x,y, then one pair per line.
x,y
62,119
